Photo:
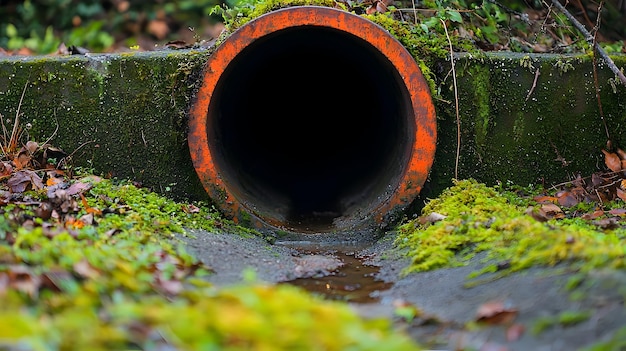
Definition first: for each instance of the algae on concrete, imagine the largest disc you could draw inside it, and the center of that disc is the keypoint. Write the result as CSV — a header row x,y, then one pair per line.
x,y
125,115
516,129
122,115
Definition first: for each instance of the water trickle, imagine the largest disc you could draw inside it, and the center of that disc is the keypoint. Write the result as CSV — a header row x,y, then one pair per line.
x,y
354,281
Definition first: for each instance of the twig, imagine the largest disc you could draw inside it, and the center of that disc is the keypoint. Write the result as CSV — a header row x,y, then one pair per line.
x,y
590,39
456,102
56,120
537,74
17,118
595,72
63,161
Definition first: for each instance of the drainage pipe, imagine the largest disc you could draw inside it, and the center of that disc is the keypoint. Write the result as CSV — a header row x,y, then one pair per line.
x,y
312,120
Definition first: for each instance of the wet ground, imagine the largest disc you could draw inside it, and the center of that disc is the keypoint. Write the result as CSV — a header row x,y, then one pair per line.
x,y
537,309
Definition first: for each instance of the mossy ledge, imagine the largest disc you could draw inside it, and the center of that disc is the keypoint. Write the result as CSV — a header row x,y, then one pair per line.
x,y
125,114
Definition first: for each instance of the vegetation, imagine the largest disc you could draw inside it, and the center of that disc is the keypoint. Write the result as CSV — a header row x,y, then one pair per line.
x,y
486,25
516,232
108,273
88,263
97,25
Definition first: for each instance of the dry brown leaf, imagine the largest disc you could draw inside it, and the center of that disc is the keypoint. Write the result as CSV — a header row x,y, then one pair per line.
x,y
190,208
607,223
23,180
597,180
78,188
618,212
537,214
612,161
620,193
21,278
5,169
22,160
567,199
551,211
593,215
545,198
495,312
621,153
431,218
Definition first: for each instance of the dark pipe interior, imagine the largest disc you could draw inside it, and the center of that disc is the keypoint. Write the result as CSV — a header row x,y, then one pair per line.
x,y
310,125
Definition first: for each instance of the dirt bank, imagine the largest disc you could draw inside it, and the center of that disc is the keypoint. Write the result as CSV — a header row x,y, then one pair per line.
x,y
537,309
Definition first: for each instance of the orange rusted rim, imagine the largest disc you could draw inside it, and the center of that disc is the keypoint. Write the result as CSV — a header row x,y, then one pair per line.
x,y
422,149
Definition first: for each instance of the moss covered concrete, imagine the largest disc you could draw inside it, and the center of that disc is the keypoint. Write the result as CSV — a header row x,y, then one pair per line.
x,y
509,133
125,115
122,115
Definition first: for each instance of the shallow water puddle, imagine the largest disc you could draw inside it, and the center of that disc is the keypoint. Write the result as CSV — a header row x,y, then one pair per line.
x,y
354,281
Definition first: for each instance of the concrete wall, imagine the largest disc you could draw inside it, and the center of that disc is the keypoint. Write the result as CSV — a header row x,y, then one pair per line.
x,y
125,115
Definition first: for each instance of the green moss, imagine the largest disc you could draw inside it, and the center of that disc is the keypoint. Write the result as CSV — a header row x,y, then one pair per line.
x,y
563,66
481,98
519,128
478,218
124,282
564,319
616,342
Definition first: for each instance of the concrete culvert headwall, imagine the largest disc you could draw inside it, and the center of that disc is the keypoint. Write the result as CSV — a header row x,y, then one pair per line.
x,y
312,120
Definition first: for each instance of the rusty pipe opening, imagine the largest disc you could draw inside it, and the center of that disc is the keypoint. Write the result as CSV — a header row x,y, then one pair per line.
x,y
312,120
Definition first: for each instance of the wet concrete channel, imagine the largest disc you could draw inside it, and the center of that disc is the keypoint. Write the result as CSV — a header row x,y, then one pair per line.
x,y
354,281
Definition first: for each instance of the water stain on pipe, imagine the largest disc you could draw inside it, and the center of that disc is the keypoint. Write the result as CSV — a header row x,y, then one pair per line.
x,y
312,120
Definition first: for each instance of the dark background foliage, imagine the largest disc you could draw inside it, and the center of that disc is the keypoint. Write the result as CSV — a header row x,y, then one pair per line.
x,y
41,26
101,25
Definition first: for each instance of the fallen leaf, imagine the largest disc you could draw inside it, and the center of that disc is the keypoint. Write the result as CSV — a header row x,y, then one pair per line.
x,y
21,180
431,218
22,279
22,159
567,199
612,161
593,215
545,198
618,212
190,209
78,187
597,180
607,223
495,312
5,169
537,214
620,193
551,210
53,181
89,209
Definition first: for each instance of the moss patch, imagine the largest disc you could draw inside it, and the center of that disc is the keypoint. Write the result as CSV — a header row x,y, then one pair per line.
x,y
115,277
479,218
